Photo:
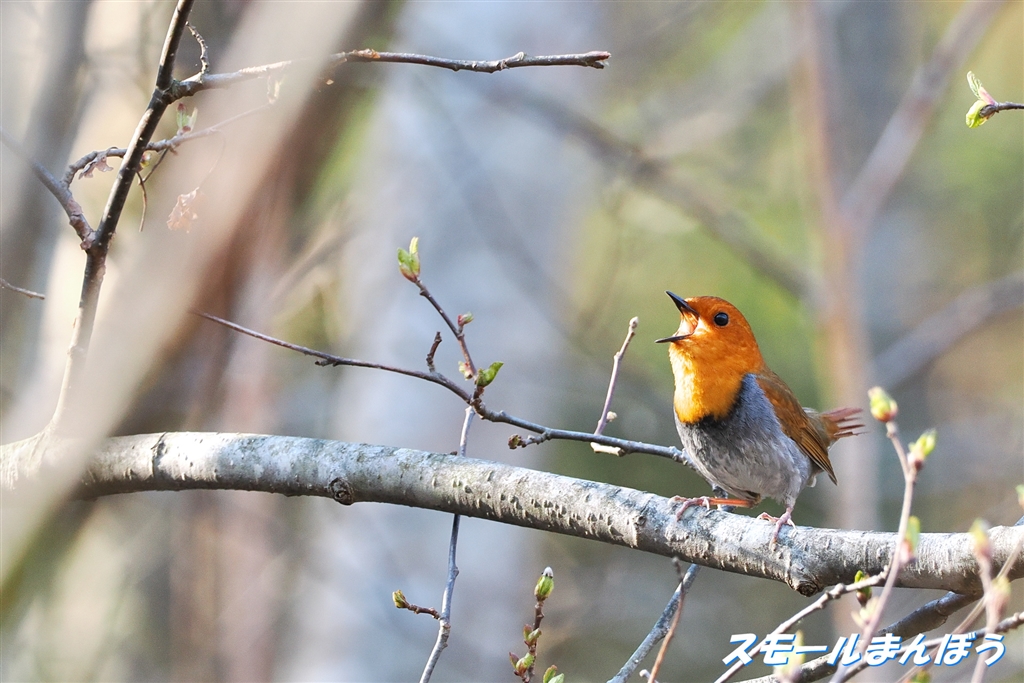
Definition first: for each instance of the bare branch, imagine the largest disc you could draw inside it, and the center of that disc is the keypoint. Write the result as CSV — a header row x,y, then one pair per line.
x,y
4,284
97,242
661,627
545,433
202,82
945,328
616,361
807,559
652,677
444,629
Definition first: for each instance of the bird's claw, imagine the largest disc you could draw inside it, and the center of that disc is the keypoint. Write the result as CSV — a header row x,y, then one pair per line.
x,y
786,518
703,501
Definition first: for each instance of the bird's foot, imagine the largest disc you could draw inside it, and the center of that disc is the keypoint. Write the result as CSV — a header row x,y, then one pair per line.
x,y
706,502
786,518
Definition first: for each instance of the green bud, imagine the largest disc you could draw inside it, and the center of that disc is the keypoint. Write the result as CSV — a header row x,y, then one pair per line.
x,y
465,319
464,369
523,664
922,448
186,122
974,116
409,261
863,594
515,441
552,674
545,584
921,676
400,601
530,637
982,544
515,664
487,375
883,407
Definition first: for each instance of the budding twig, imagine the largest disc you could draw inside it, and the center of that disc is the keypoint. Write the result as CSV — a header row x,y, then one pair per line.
x,y
606,416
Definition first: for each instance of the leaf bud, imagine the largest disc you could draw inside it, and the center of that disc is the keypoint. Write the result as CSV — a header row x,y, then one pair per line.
x,y
982,544
409,261
552,675
922,448
883,406
545,584
863,594
487,375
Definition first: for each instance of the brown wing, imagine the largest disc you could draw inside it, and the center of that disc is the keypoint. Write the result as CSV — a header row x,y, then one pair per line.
x,y
805,428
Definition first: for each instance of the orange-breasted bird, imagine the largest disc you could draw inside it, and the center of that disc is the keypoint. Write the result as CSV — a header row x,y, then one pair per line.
x,y
742,428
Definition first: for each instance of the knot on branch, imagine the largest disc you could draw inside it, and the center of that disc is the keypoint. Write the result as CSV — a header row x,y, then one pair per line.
x,y
341,491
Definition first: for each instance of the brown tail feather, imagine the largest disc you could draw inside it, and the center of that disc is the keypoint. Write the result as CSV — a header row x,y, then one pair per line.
x,y
842,422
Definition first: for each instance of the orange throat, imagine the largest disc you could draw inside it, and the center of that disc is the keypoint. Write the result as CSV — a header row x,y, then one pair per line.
x,y
705,389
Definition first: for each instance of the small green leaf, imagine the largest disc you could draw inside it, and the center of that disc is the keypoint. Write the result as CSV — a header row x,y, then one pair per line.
x,y
978,89
487,375
551,674
399,598
409,261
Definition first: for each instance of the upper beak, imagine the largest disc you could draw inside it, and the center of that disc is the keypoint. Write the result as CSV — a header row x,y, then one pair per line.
x,y
683,307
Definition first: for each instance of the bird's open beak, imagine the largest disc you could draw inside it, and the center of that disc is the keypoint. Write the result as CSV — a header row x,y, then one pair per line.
x,y
687,311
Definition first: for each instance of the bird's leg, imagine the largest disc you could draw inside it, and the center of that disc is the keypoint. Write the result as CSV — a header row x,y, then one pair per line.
x,y
707,502
786,518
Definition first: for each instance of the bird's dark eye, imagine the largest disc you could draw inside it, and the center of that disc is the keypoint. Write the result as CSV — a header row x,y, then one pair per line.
x,y
721,319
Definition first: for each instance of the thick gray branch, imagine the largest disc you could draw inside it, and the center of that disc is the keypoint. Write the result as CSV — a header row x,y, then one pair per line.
x,y
807,559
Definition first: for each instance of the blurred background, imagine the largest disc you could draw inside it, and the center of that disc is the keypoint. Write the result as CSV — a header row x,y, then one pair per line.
x,y
807,161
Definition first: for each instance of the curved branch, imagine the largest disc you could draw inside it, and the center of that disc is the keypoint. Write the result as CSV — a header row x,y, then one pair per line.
x,y
807,559
940,331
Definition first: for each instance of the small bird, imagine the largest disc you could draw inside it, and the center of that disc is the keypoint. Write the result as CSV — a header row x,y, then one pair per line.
x,y
742,428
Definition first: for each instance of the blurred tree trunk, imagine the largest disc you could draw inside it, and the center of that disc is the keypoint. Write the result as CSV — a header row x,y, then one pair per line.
x,y
33,221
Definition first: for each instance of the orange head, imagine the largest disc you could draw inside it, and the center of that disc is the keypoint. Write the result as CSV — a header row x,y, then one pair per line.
x,y
711,352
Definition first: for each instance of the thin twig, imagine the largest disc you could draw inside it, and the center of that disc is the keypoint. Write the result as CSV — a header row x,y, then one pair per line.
x,y
828,596
899,557
97,242
616,361
60,192
660,629
545,433
204,55
652,677
445,626
201,82
432,351
991,109
457,330
162,146
4,284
